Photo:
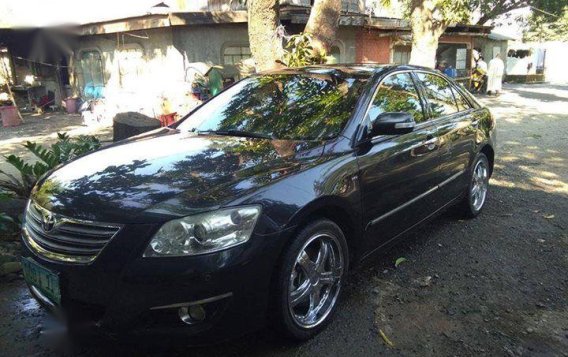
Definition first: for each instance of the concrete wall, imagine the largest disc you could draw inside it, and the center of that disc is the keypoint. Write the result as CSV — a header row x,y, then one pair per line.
x,y
205,44
138,84
486,46
159,81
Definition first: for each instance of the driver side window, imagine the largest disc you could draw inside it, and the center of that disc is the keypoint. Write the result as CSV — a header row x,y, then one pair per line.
x,y
397,93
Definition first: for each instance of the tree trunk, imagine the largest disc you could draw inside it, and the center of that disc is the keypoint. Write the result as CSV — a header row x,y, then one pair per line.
x,y
263,21
426,32
323,23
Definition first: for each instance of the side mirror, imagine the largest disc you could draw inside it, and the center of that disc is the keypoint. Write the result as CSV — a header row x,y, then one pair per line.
x,y
392,123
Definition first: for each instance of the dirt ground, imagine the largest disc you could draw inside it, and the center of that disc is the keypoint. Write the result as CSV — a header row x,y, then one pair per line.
x,y
496,285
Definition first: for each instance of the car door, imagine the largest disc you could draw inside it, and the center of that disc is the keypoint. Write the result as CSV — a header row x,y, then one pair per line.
x,y
397,172
452,114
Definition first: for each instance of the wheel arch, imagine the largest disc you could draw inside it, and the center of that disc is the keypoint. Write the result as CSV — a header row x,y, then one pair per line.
x,y
490,153
337,210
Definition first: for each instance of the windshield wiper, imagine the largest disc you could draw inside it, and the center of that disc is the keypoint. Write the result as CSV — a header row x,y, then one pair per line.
x,y
234,132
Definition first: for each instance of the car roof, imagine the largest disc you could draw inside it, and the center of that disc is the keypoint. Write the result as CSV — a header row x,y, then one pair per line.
x,y
354,69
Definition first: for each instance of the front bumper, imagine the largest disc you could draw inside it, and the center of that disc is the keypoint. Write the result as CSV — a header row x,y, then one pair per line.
x,y
122,291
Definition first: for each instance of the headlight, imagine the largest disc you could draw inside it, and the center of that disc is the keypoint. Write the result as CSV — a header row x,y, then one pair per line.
x,y
204,233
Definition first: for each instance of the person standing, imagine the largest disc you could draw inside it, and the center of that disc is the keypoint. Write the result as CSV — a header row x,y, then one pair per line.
x,y
495,75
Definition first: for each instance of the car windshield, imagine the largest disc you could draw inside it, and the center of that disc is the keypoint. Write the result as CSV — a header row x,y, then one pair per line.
x,y
296,106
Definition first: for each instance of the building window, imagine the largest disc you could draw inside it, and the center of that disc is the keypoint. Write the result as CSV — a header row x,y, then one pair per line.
x,y
235,54
334,55
454,56
350,6
92,67
401,54
496,51
131,66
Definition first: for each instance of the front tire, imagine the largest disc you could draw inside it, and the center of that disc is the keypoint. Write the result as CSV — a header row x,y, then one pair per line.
x,y
478,187
309,281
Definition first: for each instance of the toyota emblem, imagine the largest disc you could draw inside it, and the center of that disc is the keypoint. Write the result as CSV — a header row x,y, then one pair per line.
x,y
48,222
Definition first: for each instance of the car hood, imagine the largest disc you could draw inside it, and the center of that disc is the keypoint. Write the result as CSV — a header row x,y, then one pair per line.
x,y
169,173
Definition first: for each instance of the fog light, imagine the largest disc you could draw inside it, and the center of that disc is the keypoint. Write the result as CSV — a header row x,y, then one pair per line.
x,y
197,312
192,314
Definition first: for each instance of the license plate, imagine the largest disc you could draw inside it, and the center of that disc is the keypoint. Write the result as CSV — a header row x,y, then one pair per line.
x,y
44,280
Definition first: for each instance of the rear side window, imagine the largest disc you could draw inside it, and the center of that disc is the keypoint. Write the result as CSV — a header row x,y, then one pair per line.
x,y
439,94
397,93
463,104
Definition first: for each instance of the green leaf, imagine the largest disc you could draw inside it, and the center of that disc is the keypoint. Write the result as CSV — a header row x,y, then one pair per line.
x,y
399,261
65,149
42,153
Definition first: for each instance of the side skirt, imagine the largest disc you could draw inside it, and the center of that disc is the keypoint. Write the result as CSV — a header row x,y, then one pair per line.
x,y
394,239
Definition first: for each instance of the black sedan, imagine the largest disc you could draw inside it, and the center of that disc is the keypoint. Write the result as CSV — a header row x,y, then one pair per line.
x,y
255,206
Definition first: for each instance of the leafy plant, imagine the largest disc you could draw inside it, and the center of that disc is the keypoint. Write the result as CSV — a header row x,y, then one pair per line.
x,y
65,149
299,51
7,223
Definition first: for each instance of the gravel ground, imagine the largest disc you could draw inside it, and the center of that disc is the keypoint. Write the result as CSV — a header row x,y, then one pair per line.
x,y
496,285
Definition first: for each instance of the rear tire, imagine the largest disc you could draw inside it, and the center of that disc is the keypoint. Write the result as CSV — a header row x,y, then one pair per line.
x,y
309,282
478,187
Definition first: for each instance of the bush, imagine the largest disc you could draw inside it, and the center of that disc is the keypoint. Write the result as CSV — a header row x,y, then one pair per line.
x,y
299,52
65,149
8,225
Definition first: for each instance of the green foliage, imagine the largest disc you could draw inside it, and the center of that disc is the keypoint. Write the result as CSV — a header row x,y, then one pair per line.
x,y
451,11
6,222
299,51
399,261
547,27
443,11
65,149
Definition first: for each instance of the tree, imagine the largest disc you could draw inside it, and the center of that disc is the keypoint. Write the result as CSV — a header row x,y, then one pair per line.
x,y
489,10
323,23
548,21
265,35
428,21
263,22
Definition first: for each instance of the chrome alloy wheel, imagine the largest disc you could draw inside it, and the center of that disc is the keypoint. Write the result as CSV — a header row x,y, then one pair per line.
x,y
480,184
315,280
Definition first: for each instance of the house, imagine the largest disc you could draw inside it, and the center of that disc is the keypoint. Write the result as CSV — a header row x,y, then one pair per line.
x,y
492,44
36,69
150,63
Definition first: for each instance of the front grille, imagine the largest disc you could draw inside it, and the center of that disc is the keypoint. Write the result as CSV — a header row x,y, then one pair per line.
x,y
65,239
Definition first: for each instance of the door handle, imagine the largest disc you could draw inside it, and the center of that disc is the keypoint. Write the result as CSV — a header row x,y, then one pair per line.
x,y
431,143
424,147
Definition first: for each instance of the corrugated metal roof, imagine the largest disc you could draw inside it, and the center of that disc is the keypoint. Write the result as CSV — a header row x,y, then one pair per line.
x,y
500,37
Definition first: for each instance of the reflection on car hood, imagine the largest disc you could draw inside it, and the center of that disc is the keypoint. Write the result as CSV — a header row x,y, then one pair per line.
x,y
169,172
